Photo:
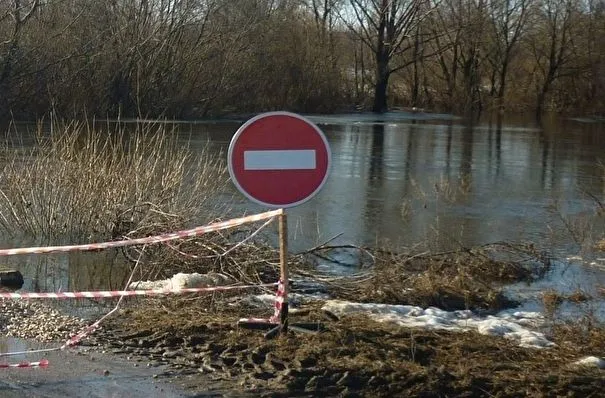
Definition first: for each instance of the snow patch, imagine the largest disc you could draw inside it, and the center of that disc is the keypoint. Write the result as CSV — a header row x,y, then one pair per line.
x,y
510,325
591,362
182,281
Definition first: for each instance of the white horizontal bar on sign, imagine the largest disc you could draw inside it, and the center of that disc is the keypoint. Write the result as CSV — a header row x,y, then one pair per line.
x,y
294,159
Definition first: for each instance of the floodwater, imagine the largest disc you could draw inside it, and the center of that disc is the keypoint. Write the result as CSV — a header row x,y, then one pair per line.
x,y
402,179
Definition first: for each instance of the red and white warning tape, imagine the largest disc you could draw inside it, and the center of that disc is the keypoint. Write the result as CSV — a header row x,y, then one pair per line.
x,y
126,293
147,240
193,256
279,301
74,340
40,364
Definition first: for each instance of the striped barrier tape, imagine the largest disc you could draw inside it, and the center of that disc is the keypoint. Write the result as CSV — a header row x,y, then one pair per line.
x,y
122,293
126,293
274,319
218,226
279,301
193,256
74,340
39,364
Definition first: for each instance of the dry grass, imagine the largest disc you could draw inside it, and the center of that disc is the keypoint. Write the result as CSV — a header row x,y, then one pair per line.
x,y
446,190
452,191
356,356
584,227
579,296
406,209
551,300
460,279
84,182
248,262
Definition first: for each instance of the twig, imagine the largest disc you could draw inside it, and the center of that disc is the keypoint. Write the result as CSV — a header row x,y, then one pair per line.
x,y
593,197
322,245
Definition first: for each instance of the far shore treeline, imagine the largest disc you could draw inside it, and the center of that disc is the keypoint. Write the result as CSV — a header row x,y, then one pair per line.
x,y
200,58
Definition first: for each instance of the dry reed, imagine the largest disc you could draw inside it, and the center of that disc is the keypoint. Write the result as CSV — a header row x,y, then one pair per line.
x,y
458,279
83,182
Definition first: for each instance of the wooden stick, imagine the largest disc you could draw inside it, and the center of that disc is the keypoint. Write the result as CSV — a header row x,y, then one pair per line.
x,y
283,264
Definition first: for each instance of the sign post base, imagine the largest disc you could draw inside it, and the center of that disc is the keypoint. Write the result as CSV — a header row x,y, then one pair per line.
x,y
275,329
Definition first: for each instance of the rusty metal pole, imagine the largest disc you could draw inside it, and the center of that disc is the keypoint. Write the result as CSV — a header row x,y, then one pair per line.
x,y
283,265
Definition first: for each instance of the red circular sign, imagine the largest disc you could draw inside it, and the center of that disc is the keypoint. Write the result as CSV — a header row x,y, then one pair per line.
x,y
279,159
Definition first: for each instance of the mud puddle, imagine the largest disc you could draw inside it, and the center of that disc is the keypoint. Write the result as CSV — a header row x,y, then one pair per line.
x,y
83,372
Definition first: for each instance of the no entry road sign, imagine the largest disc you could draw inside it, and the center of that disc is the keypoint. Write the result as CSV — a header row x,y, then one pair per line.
x,y
279,159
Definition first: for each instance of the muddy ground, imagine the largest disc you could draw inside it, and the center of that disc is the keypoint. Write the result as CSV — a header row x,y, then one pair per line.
x,y
353,356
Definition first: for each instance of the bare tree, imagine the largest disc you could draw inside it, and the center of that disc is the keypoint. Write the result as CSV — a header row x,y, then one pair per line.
x,y
459,30
324,13
387,27
552,46
14,15
508,20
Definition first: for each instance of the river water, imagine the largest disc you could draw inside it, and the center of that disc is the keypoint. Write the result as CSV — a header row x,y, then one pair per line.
x,y
403,179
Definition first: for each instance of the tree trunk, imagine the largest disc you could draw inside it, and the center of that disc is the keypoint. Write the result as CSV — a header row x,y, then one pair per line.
x,y
415,85
382,82
502,88
380,95
540,105
416,82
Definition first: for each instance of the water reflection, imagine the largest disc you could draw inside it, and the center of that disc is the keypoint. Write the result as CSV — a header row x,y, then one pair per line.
x,y
448,147
73,271
466,157
511,173
377,152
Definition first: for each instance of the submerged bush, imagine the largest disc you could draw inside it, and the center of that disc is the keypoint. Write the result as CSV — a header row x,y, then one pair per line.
x,y
82,182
